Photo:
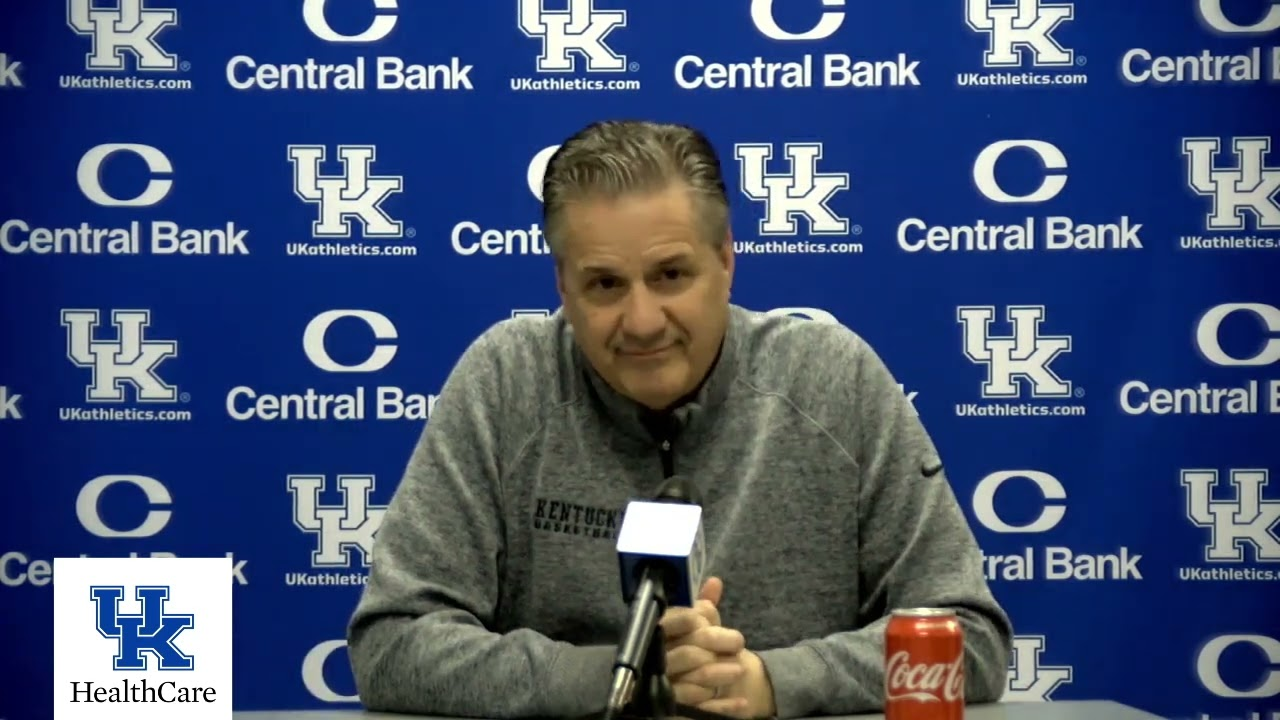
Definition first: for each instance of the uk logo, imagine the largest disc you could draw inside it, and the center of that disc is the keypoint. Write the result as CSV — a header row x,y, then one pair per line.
x,y
1022,361
800,191
1248,188
1245,520
1021,31
128,360
146,636
339,529
1028,679
577,32
10,404
10,70
130,29
357,194
118,621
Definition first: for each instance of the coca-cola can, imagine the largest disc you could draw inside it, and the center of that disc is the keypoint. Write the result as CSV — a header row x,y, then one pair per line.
x,y
924,665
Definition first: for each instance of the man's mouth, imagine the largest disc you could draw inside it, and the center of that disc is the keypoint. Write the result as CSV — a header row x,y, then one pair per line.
x,y
646,353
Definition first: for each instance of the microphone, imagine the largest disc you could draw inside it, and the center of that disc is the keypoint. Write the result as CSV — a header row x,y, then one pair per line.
x,y
665,534
661,556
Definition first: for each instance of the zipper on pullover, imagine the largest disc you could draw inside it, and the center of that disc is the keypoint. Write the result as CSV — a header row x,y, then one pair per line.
x,y
668,459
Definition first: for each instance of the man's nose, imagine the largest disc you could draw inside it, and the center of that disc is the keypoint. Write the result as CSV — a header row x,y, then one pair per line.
x,y
643,317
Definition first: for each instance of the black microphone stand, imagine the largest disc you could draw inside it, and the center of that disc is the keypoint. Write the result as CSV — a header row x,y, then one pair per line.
x,y
654,697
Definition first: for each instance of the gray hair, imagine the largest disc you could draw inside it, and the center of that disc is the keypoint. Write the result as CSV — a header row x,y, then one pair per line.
x,y
609,158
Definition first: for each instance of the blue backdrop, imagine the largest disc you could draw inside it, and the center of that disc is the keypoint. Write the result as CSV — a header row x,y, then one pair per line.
x,y
1057,222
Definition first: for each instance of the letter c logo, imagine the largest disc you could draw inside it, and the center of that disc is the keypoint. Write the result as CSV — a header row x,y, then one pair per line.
x,y
1050,515
1209,324
762,16
314,336
1211,12
313,673
89,175
313,16
538,169
157,495
1211,654
984,171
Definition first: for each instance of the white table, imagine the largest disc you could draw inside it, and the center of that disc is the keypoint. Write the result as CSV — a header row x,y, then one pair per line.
x,y
1061,710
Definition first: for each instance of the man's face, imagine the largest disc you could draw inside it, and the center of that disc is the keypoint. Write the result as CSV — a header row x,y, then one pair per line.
x,y
646,293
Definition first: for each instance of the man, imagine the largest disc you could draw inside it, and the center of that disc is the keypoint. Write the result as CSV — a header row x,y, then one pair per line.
x,y
494,587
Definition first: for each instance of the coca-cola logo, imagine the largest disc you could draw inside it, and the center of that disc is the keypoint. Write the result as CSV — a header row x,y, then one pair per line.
x,y
924,682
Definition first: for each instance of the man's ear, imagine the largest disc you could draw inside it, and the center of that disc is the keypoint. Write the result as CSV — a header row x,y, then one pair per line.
x,y
726,256
560,280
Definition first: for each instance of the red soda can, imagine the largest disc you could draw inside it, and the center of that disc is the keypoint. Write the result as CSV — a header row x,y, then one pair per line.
x,y
924,665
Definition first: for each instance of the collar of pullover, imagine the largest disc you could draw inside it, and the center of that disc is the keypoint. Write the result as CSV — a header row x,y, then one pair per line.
x,y
687,413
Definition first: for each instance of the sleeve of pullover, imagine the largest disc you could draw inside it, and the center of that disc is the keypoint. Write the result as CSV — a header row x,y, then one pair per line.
x,y
420,639
916,550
